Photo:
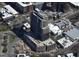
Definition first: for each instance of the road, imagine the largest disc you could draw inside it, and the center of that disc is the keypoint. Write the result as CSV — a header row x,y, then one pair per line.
x,y
70,14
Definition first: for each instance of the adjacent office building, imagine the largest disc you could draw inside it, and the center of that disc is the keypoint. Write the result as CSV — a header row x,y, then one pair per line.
x,y
34,44
72,34
21,7
40,46
5,15
64,43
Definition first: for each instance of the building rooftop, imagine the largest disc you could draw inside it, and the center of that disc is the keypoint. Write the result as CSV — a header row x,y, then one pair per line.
x,y
62,23
27,25
10,9
36,3
65,42
40,14
5,13
59,56
70,55
48,42
73,33
54,29
36,42
24,4
75,3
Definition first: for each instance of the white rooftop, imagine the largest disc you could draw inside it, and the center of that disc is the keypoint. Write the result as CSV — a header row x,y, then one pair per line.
x,y
27,25
58,55
24,4
70,55
54,29
37,9
65,42
75,3
10,9
23,55
5,13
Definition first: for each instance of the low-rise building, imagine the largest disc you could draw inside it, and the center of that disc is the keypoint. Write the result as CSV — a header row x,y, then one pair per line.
x,y
73,34
67,55
11,10
26,27
63,23
70,55
54,29
25,6
59,56
40,46
65,43
34,44
50,44
21,7
8,13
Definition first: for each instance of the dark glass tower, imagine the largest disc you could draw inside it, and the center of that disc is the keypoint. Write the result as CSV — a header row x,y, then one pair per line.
x,y
39,25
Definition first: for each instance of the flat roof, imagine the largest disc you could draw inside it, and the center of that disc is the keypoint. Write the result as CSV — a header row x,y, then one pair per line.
x,y
62,23
65,42
73,33
37,3
59,56
48,42
5,13
70,55
10,9
24,4
40,14
34,41
75,3
27,25
54,29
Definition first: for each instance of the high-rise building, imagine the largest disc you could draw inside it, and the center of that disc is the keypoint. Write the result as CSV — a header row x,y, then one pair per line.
x,y
39,25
